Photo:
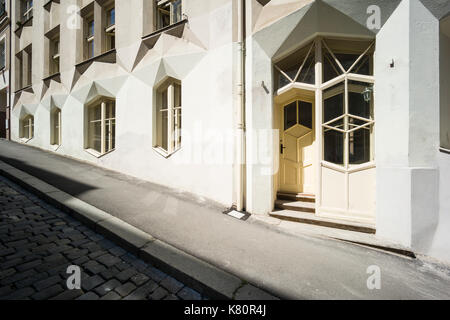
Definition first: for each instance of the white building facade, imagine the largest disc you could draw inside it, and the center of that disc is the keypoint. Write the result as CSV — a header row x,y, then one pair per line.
x,y
338,109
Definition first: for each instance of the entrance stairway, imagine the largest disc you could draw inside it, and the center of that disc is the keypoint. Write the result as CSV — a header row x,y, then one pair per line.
x,y
301,208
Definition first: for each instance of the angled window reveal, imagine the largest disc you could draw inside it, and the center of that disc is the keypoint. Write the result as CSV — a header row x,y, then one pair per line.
x,y
168,117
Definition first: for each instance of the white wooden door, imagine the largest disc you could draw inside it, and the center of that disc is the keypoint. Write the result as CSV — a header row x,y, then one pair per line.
x,y
296,148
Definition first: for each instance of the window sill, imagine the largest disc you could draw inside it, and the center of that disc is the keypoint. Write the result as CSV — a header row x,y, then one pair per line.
x,y
26,23
443,150
24,89
164,153
172,26
351,169
52,76
111,54
97,154
25,140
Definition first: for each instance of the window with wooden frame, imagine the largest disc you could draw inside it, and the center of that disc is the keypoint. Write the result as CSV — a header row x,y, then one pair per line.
x,y
348,117
55,122
168,117
110,28
27,128
101,117
89,44
27,9
2,53
54,55
168,12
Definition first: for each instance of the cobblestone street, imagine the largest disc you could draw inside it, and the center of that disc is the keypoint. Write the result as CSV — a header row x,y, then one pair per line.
x,y
38,243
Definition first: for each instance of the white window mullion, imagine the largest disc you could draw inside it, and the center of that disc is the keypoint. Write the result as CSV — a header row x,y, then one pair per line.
x,y
103,126
170,117
59,128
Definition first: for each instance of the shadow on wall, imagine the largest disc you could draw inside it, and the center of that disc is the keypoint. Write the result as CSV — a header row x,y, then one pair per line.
x,y
73,187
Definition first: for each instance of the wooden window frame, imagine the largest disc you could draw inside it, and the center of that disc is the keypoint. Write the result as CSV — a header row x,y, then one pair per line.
x,y
56,127
27,128
107,139
174,117
27,10
110,30
167,8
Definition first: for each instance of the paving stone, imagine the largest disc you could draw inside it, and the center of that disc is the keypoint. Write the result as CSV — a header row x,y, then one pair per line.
x,y
171,284
126,274
108,260
30,280
28,265
91,282
159,294
109,273
88,296
155,274
142,292
107,287
111,296
189,294
68,295
20,294
5,291
48,293
94,267
7,273
43,284
139,279
171,297
117,251
125,289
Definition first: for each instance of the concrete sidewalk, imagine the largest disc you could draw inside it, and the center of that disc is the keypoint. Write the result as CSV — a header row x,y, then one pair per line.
x,y
297,267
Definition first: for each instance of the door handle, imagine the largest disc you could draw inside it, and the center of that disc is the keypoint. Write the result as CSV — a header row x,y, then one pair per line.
x,y
282,148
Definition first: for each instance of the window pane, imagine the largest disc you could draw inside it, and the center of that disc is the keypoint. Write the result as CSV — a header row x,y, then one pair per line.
x,y
91,49
163,130
308,73
177,92
290,115
347,60
111,17
334,146
91,26
364,66
334,105
305,114
359,146
177,15
282,80
96,136
356,104
330,69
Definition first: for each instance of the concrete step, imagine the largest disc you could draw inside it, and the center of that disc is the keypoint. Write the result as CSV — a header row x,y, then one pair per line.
x,y
301,206
305,197
303,217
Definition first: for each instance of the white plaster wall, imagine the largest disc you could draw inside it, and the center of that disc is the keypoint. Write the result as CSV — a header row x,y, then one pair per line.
x,y
441,241
204,165
406,139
